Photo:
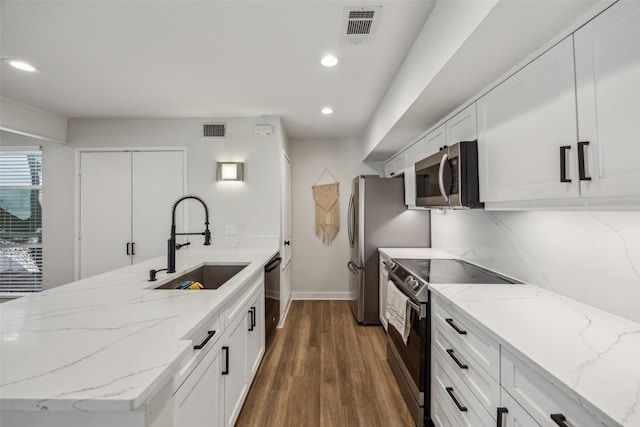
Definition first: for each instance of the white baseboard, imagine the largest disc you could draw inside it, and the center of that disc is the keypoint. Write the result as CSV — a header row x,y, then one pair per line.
x,y
321,295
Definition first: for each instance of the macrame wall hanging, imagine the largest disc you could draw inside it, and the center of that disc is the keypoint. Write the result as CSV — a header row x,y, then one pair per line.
x,y
327,201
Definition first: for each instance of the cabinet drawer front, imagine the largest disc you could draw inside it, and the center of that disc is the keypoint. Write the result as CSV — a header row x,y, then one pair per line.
x,y
202,336
481,384
484,350
455,397
539,397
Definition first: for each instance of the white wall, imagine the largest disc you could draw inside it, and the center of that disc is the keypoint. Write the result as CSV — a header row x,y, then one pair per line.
x,y
319,271
252,206
593,257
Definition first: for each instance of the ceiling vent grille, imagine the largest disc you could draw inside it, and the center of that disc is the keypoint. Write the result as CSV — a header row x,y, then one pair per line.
x,y
359,24
214,130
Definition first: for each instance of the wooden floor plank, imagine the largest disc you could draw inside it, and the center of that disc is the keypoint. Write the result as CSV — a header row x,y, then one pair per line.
x,y
325,370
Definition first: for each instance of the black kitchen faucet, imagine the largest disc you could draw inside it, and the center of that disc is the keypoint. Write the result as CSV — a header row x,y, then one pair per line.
x,y
172,246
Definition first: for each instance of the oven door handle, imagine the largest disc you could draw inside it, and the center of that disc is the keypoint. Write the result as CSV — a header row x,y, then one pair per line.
x,y
413,305
445,158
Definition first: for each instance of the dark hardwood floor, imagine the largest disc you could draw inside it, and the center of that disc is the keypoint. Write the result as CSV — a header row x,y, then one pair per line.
x,y
323,369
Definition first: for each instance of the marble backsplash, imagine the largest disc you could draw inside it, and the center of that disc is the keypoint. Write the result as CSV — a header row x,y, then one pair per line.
x,y
592,257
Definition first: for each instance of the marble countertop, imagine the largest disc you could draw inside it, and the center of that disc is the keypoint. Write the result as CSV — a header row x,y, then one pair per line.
x,y
109,342
592,355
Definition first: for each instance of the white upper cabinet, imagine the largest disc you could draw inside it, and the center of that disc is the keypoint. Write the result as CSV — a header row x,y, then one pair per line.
x,y
522,125
395,166
436,139
607,54
462,126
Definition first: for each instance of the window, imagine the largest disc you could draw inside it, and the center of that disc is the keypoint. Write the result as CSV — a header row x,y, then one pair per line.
x,y
20,222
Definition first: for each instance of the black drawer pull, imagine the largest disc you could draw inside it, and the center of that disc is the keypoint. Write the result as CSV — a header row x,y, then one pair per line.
x,y
455,327
559,419
226,360
460,407
581,163
501,412
563,163
210,335
455,359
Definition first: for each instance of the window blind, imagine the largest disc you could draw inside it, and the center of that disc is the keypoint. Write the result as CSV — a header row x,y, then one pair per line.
x,y
20,222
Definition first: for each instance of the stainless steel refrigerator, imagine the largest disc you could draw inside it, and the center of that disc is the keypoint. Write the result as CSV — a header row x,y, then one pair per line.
x,y
378,218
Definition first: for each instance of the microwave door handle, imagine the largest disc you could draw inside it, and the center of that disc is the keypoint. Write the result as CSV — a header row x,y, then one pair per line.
x,y
444,159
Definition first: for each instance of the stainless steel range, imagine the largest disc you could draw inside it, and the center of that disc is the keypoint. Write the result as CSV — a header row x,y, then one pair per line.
x,y
410,362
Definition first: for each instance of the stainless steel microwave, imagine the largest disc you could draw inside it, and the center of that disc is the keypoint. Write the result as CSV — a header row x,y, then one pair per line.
x,y
449,178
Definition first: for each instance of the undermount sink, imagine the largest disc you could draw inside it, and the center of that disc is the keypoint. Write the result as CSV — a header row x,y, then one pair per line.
x,y
210,276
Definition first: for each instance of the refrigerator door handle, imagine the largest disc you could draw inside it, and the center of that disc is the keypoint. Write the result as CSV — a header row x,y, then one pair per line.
x,y
351,221
352,267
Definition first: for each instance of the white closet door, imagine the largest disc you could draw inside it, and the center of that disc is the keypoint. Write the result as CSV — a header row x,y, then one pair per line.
x,y
105,211
158,181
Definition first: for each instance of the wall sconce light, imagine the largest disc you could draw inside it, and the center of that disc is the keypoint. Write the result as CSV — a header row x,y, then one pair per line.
x,y
230,171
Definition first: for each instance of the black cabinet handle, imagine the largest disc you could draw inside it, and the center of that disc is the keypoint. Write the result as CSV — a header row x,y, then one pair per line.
x,y
287,242
204,342
581,163
501,412
563,163
455,327
559,419
133,248
453,397
455,359
226,360
128,246
392,173
252,323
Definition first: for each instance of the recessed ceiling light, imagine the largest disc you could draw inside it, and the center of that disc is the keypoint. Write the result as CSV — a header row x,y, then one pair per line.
x,y
329,61
327,110
21,65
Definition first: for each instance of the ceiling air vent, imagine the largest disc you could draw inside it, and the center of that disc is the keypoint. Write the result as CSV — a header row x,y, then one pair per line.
x,y
359,24
214,130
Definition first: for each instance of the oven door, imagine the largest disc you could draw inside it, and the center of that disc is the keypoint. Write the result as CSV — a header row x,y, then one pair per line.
x,y
413,355
436,179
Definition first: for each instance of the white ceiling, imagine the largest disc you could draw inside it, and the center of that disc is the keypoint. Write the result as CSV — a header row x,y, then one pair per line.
x,y
205,59
212,58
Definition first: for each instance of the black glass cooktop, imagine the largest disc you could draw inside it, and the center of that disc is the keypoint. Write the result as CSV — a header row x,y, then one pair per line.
x,y
451,271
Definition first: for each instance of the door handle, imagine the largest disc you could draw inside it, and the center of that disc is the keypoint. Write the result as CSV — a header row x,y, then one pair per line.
x,y
444,159
252,320
133,248
581,163
128,248
352,267
559,419
226,360
501,412
563,163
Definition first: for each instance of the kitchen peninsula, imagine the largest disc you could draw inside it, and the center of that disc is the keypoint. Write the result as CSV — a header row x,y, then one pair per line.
x,y
112,350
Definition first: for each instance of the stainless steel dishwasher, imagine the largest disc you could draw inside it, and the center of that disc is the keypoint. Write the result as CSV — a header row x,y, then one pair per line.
x,y
272,297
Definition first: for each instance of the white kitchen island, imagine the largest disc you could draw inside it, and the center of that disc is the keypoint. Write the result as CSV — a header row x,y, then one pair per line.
x,y
111,350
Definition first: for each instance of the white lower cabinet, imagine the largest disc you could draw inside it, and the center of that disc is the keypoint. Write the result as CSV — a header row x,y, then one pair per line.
x,y
212,393
255,335
197,401
476,381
